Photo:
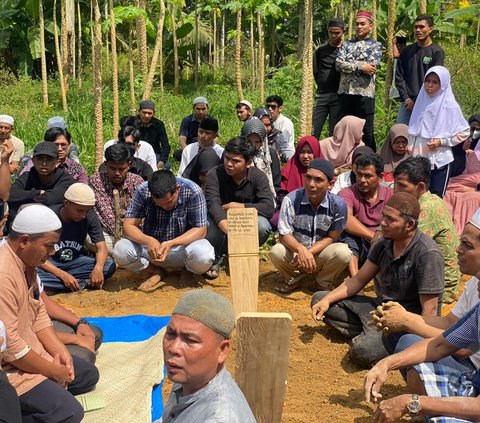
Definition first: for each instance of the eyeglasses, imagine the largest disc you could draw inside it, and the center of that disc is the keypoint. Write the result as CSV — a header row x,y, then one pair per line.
x,y
272,106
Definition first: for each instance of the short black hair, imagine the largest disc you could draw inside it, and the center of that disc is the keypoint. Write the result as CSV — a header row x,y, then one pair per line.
x,y
240,145
417,169
118,153
370,160
53,133
275,99
161,183
129,130
427,18
129,121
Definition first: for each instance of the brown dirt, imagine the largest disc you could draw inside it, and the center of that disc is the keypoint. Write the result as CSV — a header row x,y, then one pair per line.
x,y
323,385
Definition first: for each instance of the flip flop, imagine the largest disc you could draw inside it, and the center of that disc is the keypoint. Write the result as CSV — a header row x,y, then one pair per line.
x,y
290,286
151,284
214,270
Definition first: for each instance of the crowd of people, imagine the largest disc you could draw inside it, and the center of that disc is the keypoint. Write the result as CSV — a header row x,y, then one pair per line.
x,y
344,214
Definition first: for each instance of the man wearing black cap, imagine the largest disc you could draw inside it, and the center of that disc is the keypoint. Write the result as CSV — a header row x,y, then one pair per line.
x,y
207,133
153,131
45,183
311,220
406,266
327,79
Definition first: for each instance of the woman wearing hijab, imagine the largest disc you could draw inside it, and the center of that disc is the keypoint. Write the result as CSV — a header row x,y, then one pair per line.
x,y
206,159
394,150
436,125
348,178
347,135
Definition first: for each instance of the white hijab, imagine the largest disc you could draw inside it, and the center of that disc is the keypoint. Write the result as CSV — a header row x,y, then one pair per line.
x,y
439,116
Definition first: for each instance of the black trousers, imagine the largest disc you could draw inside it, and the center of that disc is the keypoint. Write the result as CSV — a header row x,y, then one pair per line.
x,y
362,107
9,403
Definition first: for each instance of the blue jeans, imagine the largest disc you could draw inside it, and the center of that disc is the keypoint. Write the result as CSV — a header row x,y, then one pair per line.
x,y
80,268
166,165
403,114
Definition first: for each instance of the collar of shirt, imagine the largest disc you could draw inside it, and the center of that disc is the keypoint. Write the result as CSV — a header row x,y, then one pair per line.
x,y
389,246
380,195
325,203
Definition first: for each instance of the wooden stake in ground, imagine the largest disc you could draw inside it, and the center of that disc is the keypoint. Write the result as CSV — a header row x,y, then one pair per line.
x,y
263,343
118,217
243,258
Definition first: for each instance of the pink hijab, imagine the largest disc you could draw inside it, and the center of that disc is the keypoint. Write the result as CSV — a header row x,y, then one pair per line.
x,y
292,173
339,148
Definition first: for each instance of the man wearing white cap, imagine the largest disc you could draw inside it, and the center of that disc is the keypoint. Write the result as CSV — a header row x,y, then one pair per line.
x,y
6,128
446,364
37,363
244,110
70,269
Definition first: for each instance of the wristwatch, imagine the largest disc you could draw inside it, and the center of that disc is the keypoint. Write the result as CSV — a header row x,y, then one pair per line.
x,y
80,322
414,407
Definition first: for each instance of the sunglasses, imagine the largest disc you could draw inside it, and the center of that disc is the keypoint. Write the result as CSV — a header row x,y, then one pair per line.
x,y
272,106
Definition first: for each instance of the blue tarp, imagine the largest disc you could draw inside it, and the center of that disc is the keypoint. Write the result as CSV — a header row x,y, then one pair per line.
x,y
134,328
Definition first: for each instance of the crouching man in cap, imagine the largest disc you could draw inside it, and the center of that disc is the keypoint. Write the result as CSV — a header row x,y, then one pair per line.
x,y
195,347
37,363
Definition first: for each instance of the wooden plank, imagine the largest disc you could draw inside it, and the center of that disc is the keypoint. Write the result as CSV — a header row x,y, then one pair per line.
x,y
263,343
243,258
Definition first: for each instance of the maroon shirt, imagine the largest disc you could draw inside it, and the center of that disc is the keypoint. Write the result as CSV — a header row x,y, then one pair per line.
x,y
370,214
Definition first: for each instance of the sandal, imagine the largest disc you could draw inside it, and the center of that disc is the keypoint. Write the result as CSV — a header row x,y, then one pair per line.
x,y
152,283
214,270
289,286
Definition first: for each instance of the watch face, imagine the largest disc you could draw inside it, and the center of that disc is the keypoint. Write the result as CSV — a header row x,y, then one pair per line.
x,y
414,406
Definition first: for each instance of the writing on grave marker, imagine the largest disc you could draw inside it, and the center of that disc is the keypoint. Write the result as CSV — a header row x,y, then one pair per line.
x,y
241,221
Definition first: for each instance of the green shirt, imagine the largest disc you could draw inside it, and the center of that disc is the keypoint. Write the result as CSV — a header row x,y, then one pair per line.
x,y
436,222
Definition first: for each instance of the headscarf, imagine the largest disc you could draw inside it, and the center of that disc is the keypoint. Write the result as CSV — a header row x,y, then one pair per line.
x,y
390,158
292,173
206,159
439,116
339,148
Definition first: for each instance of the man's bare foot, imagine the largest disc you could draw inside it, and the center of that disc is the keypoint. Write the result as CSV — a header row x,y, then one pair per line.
x,y
152,283
188,278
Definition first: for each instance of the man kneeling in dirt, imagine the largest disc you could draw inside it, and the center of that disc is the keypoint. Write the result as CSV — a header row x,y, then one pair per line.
x,y
195,347
173,212
408,268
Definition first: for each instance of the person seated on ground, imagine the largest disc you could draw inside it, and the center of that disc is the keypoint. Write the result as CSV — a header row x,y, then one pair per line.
x,y
164,228
347,136
10,410
137,166
462,196
274,105
293,174
130,135
203,390
115,176
188,133
153,131
394,150
265,158
436,125
276,138
392,317
37,363
311,221
408,268
59,122
365,200
197,169
244,110
413,176
6,128
62,139
70,269
348,178
207,133
45,183
236,184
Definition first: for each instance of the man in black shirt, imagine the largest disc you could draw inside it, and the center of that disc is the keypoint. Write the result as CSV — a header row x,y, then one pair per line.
x,y
153,131
69,268
327,79
413,63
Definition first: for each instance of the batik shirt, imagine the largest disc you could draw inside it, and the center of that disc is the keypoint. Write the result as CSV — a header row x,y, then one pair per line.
x,y
352,55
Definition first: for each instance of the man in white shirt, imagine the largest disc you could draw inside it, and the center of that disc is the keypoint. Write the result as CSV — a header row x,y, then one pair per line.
x,y
6,128
274,104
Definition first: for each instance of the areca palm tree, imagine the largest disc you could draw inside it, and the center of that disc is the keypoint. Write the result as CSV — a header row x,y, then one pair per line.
x,y
115,94
43,58
307,74
97,83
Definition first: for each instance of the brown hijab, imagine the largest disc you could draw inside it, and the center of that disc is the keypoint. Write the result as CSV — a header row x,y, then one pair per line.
x,y
390,158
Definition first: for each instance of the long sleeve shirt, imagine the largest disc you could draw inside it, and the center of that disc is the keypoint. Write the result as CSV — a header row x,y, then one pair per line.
x,y
155,134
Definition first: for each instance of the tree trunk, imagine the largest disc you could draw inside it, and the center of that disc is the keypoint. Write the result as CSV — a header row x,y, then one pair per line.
x,y
272,41
374,13
463,41
301,29
261,58
79,46
115,94
238,55
70,25
176,76
350,19
97,84
157,53
63,90
142,40
197,46
222,42
477,38
214,46
340,12
423,7
43,58
131,75
307,74
107,44
392,8
252,52
64,40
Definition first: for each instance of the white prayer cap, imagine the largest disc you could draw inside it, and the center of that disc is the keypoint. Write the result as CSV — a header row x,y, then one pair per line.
x,y
6,119
56,122
80,194
475,220
36,219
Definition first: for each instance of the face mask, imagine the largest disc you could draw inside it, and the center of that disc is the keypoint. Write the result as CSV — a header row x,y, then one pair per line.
x,y
476,134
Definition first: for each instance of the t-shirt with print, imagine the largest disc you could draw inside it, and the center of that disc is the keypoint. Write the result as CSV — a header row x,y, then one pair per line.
x,y
72,238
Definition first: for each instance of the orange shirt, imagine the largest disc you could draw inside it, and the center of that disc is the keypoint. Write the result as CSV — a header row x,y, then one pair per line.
x,y
23,316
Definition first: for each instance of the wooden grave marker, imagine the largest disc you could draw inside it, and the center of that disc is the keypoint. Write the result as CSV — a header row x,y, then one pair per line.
x,y
243,258
263,343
